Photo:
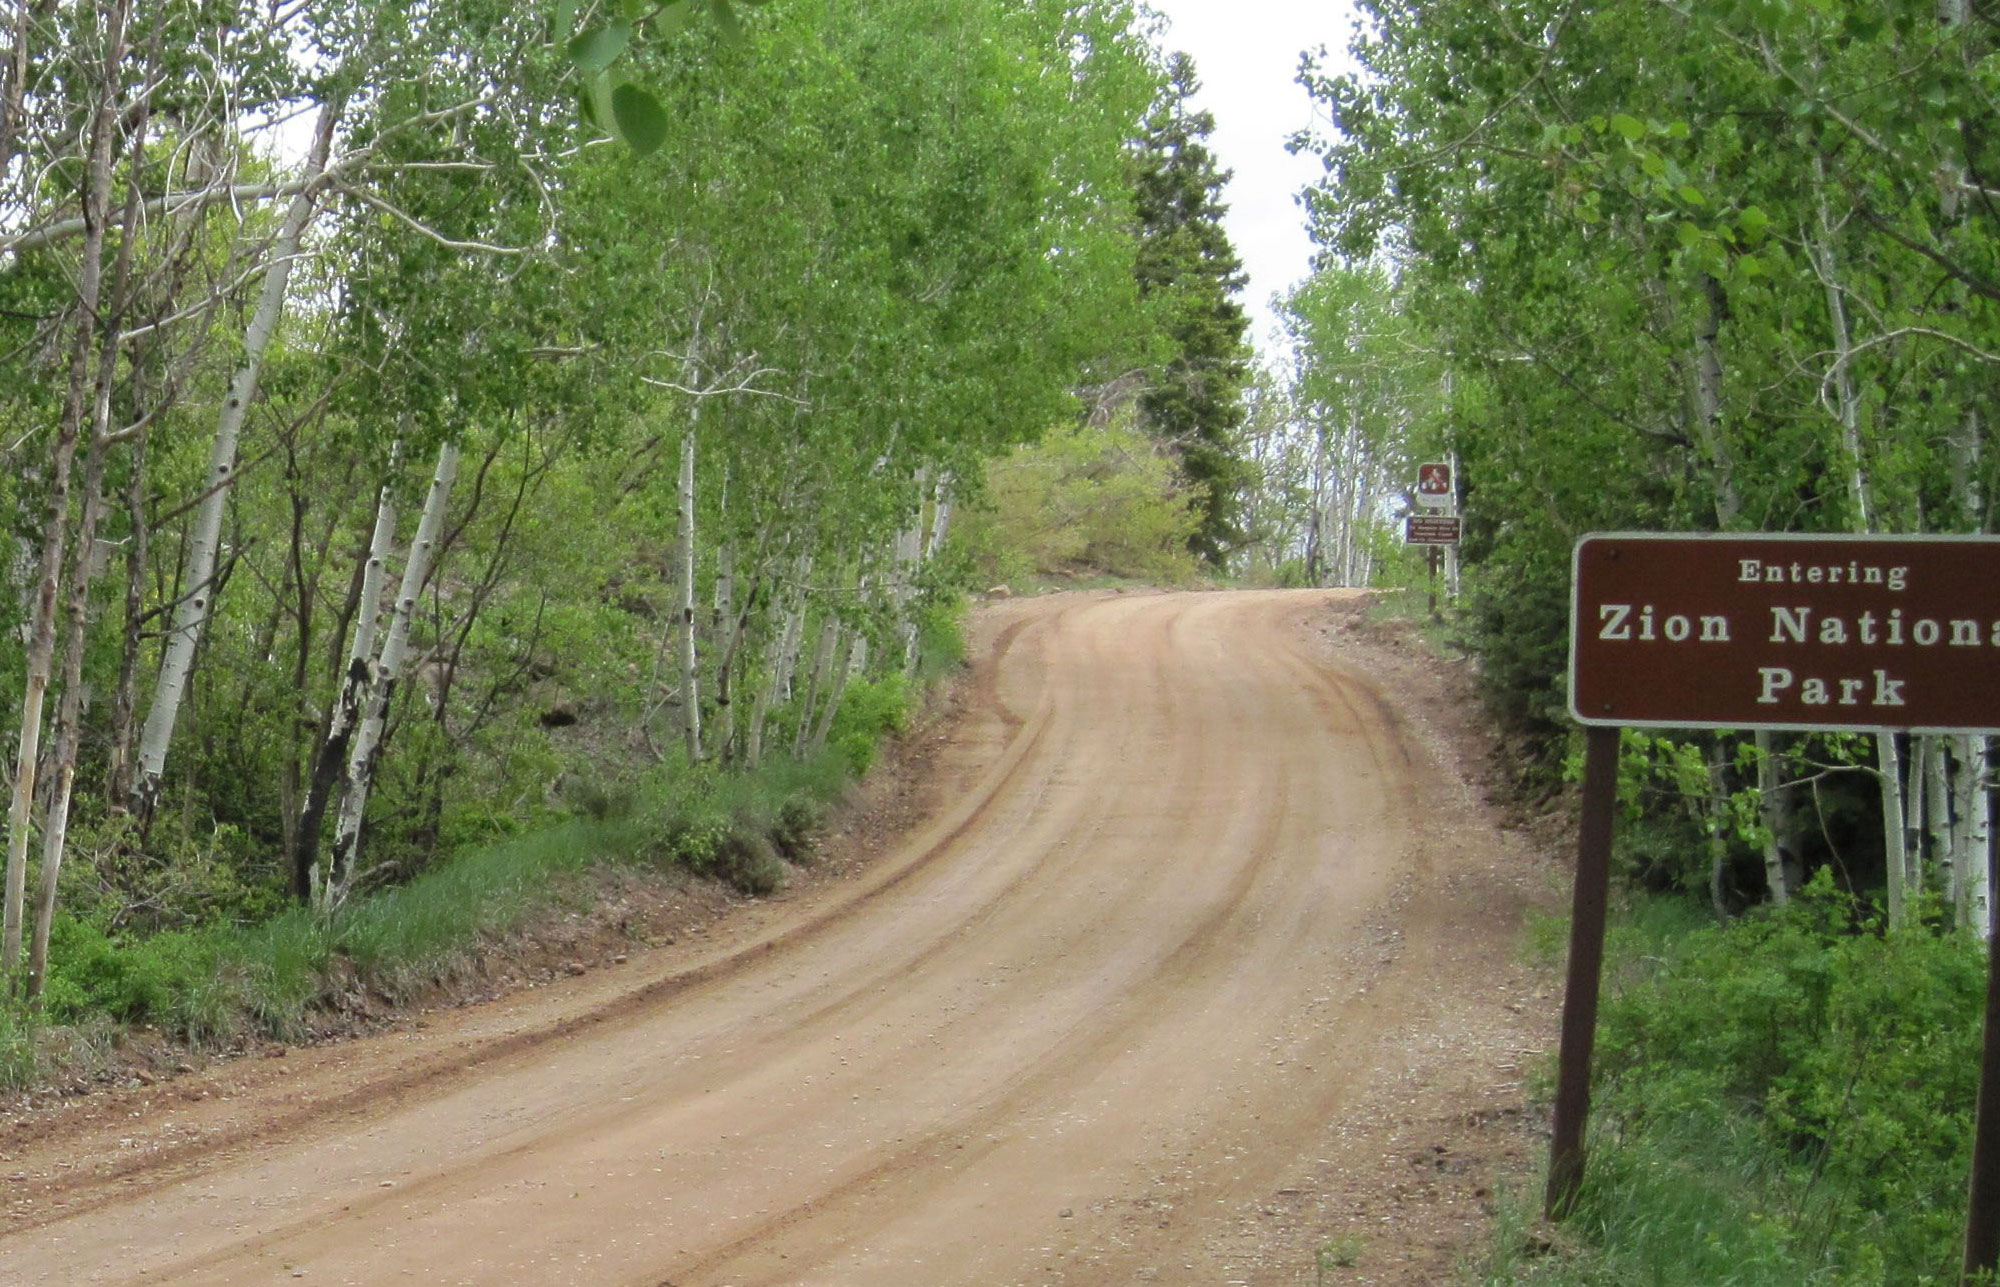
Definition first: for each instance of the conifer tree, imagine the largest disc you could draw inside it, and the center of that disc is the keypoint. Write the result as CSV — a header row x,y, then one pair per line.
x,y
1190,273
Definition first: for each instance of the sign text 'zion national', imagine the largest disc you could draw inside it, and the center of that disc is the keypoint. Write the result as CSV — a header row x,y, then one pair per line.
x,y
1787,632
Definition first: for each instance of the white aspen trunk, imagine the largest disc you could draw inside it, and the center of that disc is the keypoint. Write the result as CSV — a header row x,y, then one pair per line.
x,y
1973,838
816,679
1771,813
83,571
1937,810
784,662
1708,406
382,688
843,669
907,557
354,687
684,571
40,657
728,633
192,613
1889,776
1718,840
1895,841
1916,776
940,515
1451,551
1971,803
1316,522
1847,402
70,708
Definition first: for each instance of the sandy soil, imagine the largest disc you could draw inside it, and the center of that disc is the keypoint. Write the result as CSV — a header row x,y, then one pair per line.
x,y
1200,967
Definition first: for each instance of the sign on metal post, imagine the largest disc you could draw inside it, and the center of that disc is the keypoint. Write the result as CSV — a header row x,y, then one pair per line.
x,y
1862,633
1434,489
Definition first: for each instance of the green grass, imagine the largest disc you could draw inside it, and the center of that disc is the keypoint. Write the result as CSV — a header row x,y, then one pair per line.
x,y
209,985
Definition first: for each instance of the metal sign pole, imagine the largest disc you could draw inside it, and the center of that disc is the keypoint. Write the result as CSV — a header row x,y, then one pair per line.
x,y
1586,967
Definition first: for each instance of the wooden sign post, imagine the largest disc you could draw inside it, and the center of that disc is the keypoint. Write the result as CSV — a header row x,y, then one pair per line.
x,y
1895,634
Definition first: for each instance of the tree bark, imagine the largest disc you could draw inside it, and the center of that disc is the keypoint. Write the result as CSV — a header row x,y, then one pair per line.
x,y
366,748
784,661
1889,778
83,571
684,572
820,674
1771,813
192,613
55,527
1708,433
1973,838
352,695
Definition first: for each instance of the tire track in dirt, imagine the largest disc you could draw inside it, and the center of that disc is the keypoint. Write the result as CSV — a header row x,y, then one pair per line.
x,y
1107,994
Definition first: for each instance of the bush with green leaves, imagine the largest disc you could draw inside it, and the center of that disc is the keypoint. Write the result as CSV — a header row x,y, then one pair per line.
x,y
1787,1100
1084,499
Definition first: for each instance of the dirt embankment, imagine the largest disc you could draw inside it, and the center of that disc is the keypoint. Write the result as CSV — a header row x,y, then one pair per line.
x,y
1194,959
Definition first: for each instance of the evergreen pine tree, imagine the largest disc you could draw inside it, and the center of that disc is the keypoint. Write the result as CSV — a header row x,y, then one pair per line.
x,y
1190,273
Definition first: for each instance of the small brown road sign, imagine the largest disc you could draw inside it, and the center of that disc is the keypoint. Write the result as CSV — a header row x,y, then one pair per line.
x,y
1434,487
1787,632
1430,529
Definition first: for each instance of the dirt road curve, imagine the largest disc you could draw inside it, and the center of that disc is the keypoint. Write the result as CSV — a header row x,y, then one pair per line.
x,y
1171,943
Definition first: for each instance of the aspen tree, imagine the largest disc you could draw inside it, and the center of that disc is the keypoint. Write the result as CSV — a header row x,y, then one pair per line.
x,y
103,136
198,591
386,673
356,683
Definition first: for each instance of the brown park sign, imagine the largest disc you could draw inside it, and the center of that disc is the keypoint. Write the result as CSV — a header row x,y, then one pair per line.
x,y
1790,632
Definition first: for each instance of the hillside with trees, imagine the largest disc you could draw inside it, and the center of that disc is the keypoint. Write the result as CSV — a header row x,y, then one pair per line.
x,y
422,423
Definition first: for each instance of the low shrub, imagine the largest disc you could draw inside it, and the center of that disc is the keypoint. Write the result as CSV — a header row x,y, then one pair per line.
x,y
1786,1100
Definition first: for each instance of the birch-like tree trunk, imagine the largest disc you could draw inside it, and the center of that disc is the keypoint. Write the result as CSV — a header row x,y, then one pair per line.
x,y
70,707
352,697
1890,778
1937,806
192,613
55,526
1973,837
940,515
1708,433
836,688
684,622
777,687
1971,803
125,699
1847,402
723,639
906,557
1771,813
1714,820
83,571
367,745
817,678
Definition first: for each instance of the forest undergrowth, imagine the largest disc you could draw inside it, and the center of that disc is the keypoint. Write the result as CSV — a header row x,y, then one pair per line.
x,y
275,977
1783,1101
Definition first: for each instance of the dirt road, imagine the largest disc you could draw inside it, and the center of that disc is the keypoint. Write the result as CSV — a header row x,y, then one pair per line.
x,y
1204,935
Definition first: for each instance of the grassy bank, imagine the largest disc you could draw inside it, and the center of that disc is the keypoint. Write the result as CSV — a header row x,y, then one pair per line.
x,y
212,984
1783,1102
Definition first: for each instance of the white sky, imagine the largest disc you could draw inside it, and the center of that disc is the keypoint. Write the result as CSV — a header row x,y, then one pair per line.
x,y
1246,54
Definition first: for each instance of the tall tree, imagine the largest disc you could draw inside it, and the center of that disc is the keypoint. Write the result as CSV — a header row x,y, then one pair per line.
x,y
1190,275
